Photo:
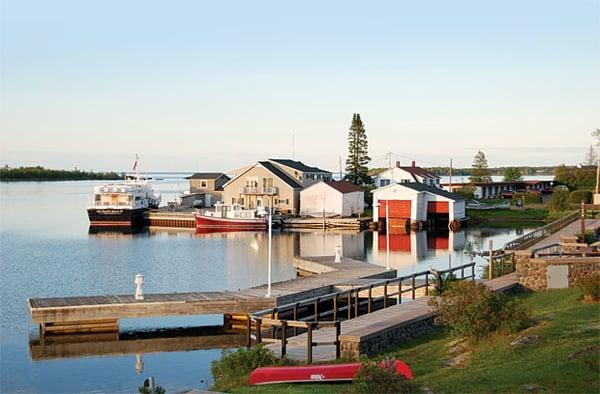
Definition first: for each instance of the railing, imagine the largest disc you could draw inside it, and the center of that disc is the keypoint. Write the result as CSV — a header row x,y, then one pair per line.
x,y
557,250
346,304
258,190
501,264
529,239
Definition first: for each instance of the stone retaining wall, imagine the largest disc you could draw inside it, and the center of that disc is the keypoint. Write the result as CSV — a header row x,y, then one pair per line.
x,y
353,346
532,273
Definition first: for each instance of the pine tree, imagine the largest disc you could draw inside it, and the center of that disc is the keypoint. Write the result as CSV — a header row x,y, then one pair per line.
x,y
357,171
480,172
591,157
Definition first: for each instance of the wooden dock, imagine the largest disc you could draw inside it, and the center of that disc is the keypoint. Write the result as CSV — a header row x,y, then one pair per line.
x,y
100,314
170,219
356,224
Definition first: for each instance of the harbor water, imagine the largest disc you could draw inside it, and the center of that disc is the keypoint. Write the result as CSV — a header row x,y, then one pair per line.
x,y
46,250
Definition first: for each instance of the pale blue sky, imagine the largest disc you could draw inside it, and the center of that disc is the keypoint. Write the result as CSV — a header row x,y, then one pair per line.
x,y
194,85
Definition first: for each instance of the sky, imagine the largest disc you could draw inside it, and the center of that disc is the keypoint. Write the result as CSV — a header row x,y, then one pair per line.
x,y
199,85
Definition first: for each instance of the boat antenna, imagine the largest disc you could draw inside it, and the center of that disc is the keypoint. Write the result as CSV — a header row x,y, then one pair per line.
x,y
136,167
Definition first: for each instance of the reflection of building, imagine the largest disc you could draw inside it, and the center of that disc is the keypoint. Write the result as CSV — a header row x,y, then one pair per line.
x,y
407,249
321,243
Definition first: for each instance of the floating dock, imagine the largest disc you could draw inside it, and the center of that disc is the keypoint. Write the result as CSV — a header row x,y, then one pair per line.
x,y
357,224
101,314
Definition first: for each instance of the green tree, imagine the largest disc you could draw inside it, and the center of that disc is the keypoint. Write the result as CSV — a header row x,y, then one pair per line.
x,y
512,174
357,171
575,178
596,134
480,172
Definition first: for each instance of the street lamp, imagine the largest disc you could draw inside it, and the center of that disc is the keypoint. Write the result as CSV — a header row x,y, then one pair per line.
x,y
270,241
387,233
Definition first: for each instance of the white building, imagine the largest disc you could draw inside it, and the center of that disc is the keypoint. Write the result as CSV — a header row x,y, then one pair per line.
x,y
339,198
417,202
405,174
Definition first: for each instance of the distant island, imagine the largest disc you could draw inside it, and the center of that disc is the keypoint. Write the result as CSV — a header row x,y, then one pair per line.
x,y
39,173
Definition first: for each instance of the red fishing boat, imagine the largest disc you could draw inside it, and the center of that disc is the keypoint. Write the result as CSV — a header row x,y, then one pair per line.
x,y
231,217
316,373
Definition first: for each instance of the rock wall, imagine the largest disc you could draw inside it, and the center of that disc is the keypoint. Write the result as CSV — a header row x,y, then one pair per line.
x,y
532,272
352,347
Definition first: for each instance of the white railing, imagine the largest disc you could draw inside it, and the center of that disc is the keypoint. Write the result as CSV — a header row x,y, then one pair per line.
x,y
258,190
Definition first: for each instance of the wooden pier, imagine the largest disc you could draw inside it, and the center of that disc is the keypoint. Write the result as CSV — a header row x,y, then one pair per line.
x,y
356,224
101,314
170,219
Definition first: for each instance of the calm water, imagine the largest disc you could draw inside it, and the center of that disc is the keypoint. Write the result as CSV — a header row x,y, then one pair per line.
x,y
46,250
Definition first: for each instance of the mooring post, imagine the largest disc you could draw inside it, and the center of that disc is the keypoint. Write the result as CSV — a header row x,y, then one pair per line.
x,y
139,281
309,343
248,332
338,254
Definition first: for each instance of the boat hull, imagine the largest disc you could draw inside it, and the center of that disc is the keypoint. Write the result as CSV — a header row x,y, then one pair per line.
x,y
315,373
208,222
113,217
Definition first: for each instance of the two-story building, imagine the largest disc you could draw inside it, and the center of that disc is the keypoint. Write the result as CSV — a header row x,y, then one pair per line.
x,y
206,188
406,174
274,182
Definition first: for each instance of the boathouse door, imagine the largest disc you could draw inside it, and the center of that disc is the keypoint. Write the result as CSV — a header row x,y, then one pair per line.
x,y
399,209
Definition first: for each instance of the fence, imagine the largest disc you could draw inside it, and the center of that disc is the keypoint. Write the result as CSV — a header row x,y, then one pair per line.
x,y
525,241
346,304
501,264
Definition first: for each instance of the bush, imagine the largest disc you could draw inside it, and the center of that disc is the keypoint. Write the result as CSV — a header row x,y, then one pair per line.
x,y
559,201
373,377
580,195
472,310
591,286
528,198
467,192
443,283
233,368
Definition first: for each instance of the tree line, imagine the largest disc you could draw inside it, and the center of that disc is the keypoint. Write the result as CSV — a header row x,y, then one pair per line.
x,y
39,173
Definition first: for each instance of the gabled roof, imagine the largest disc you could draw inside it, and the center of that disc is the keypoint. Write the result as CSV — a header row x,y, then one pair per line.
x,y
206,175
272,169
280,174
421,187
297,165
414,171
343,187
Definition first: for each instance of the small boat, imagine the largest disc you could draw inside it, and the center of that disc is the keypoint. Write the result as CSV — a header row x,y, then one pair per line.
x,y
231,217
315,373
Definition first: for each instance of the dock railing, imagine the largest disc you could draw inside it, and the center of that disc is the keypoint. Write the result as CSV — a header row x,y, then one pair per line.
x,y
308,315
525,241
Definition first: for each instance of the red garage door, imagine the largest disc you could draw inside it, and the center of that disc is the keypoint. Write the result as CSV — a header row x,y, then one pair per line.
x,y
398,209
437,207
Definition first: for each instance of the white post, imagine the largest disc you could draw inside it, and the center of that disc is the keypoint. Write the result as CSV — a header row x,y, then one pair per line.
x,y
387,236
139,280
338,254
270,240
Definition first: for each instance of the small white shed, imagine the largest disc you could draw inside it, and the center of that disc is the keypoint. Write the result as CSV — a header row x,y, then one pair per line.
x,y
417,202
339,198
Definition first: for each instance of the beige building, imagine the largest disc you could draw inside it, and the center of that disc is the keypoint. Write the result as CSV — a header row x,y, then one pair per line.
x,y
207,182
268,183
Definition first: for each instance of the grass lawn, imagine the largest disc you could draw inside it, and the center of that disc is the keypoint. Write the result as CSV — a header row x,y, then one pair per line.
x,y
507,215
565,359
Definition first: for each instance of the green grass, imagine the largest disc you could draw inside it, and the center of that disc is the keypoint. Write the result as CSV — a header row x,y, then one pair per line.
x,y
507,215
565,325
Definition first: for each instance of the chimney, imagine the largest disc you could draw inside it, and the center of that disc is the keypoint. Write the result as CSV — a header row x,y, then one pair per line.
x,y
413,163
398,163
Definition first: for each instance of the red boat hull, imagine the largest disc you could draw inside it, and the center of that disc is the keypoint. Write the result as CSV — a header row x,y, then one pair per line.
x,y
315,373
208,222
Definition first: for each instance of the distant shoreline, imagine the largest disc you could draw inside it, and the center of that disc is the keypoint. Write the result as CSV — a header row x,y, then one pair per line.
x,y
41,174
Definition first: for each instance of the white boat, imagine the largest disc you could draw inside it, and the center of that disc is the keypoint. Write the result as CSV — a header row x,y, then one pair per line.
x,y
231,217
123,204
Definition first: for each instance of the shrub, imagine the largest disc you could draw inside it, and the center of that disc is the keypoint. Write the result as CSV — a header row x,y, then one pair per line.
x,y
580,195
591,286
559,201
472,310
375,377
233,368
528,198
467,192
443,282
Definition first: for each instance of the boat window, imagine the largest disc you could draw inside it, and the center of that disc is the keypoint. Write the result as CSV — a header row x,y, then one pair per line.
x,y
218,208
98,197
137,198
237,215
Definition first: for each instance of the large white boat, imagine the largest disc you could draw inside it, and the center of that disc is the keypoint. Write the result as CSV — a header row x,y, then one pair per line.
x,y
122,204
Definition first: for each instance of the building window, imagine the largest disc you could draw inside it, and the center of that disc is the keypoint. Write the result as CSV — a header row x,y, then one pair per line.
x,y
202,183
384,182
233,200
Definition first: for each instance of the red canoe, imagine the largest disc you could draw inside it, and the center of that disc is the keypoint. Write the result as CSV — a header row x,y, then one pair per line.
x,y
315,373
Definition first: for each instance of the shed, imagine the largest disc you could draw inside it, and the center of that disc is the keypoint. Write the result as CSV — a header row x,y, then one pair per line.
x,y
339,198
417,202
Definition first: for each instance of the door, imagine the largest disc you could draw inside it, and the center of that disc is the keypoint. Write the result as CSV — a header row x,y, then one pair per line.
x,y
438,207
398,209
557,276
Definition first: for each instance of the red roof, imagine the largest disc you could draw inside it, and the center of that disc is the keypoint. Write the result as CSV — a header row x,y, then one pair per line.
x,y
343,186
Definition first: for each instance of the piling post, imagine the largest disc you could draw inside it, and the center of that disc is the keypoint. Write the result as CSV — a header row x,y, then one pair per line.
x,y
283,337
309,343
248,332
338,332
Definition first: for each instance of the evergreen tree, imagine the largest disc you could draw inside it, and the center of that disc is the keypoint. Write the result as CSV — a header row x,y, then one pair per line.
x,y
358,158
480,172
512,174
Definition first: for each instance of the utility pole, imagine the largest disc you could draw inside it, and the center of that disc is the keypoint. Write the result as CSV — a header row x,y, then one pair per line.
x,y
450,173
340,167
293,144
